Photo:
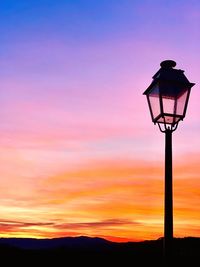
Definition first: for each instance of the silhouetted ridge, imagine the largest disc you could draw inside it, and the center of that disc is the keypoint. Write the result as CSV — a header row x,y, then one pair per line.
x,y
71,242
96,252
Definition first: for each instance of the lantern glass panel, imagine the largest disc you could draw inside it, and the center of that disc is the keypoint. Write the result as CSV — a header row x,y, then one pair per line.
x,y
154,100
181,102
169,105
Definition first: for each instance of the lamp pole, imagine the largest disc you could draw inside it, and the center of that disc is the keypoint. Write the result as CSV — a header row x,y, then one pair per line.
x,y
168,219
167,97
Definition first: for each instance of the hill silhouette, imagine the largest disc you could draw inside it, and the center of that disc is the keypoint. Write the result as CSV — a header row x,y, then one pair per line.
x,y
68,251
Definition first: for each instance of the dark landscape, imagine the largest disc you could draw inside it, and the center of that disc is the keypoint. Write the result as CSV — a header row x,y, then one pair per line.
x,y
86,251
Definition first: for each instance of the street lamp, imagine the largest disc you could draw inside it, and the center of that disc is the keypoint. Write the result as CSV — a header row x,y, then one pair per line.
x,y
167,97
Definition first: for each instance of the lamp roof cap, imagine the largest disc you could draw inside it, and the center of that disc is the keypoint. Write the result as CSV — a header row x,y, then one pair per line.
x,y
168,64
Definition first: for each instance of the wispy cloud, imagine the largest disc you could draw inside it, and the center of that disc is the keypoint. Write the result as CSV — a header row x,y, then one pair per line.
x,y
16,226
98,224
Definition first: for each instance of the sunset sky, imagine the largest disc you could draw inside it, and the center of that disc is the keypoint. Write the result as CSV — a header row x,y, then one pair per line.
x,y
79,154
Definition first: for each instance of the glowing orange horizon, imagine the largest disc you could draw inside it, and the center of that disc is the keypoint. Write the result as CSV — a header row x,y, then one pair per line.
x,y
106,199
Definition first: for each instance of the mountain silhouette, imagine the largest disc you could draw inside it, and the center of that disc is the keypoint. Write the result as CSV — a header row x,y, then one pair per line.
x,y
71,251
81,242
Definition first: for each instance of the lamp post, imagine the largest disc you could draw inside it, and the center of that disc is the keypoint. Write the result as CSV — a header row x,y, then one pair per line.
x,y
167,97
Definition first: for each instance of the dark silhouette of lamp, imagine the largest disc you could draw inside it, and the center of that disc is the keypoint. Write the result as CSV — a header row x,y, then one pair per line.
x,y
167,97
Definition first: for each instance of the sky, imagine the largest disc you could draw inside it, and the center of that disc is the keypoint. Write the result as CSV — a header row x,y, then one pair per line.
x,y
79,154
